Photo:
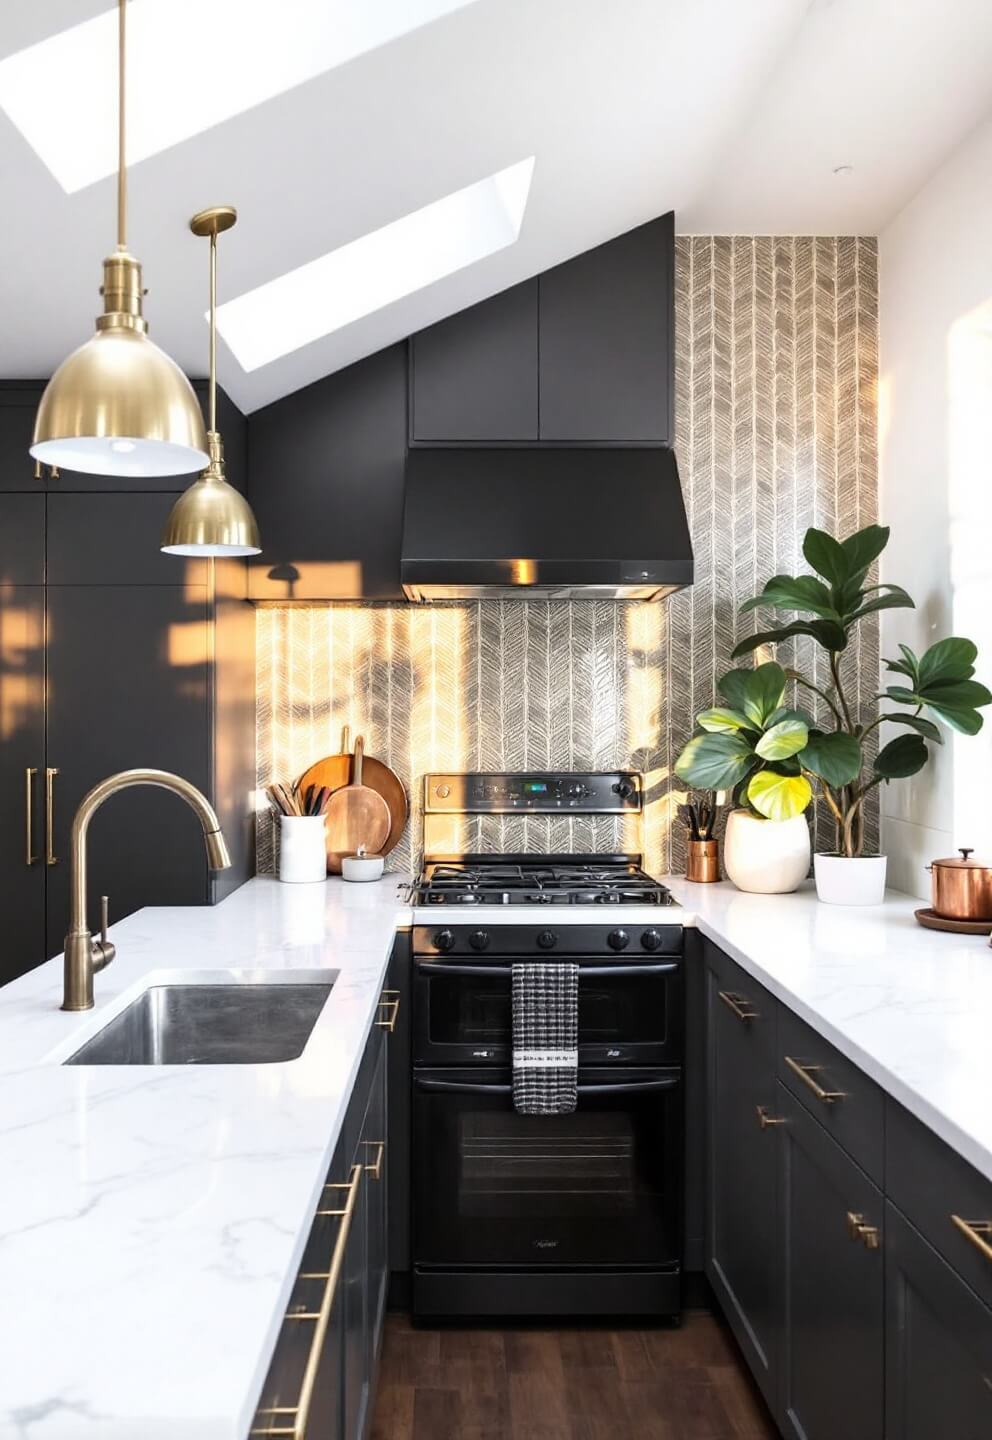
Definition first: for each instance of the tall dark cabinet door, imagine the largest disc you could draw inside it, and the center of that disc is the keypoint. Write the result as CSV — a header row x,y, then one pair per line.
x,y
832,1286
128,686
376,1159
606,340
741,1236
938,1344
474,375
22,770
17,411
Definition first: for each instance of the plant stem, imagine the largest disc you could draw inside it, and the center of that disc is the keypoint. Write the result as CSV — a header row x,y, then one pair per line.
x,y
808,684
835,672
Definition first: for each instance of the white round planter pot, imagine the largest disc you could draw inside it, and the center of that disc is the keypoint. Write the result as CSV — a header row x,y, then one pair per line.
x,y
302,849
767,857
840,881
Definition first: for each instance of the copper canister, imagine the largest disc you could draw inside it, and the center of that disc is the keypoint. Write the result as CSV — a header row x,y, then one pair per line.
x,y
961,887
704,861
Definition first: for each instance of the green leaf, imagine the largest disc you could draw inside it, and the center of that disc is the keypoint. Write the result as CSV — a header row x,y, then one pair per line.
x,y
721,721
946,662
826,555
779,797
715,762
917,723
863,548
895,599
903,756
957,705
901,667
904,696
827,632
834,756
783,739
800,592
785,713
733,688
763,691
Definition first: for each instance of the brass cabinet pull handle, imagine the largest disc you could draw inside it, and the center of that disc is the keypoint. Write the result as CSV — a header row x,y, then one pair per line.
x,y
29,773
766,1121
806,1073
389,1009
859,1230
380,1153
50,856
740,1006
977,1231
291,1420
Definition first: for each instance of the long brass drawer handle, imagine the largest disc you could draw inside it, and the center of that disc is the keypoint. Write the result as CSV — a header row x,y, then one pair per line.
x,y
976,1231
858,1230
50,856
29,856
280,1422
380,1154
766,1121
806,1073
389,1009
740,1006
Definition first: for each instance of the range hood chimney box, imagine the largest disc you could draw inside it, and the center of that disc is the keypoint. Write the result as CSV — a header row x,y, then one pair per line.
x,y
552,523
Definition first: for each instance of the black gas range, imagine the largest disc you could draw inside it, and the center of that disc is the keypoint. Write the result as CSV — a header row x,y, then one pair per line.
x,y
523,1215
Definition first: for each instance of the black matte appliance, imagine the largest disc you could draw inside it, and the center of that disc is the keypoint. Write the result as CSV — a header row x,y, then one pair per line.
x,y
521,1215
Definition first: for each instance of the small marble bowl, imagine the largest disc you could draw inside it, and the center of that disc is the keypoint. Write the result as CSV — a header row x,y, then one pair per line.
x,y
362,867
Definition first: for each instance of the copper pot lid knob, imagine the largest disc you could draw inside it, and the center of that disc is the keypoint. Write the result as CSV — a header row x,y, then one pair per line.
x,y
964,851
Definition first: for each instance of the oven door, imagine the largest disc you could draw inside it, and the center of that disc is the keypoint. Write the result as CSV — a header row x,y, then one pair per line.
x,y
630,1012
599,1187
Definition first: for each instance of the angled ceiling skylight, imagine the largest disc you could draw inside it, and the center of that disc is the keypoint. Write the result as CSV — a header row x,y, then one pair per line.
x,y
376,269
191,64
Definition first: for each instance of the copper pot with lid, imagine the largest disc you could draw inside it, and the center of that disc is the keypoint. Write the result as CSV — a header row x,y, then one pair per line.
x,y
961,887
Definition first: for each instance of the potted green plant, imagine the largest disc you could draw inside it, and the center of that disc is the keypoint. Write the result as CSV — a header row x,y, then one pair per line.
x,y
835,759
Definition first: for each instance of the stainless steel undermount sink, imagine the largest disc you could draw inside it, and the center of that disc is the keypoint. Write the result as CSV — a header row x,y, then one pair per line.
x,y
233,1024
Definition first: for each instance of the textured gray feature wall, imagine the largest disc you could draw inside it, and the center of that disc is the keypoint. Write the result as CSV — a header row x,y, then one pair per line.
x,y
776,400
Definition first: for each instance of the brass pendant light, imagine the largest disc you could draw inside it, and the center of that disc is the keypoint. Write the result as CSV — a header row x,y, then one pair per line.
x,y
211,517
119,405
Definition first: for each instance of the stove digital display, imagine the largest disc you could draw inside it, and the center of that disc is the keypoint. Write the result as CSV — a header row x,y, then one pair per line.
x,y
536,787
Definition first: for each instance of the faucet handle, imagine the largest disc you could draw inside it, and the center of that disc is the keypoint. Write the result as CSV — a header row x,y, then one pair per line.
x,y
104,917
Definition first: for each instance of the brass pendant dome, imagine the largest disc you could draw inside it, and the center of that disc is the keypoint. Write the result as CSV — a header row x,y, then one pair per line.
x,y
211,517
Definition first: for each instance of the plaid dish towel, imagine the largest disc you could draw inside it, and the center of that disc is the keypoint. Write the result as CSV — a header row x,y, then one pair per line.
x,y
545,1038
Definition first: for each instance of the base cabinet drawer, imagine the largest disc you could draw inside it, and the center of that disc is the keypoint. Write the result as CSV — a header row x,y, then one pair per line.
x,y
832,1286
938,1344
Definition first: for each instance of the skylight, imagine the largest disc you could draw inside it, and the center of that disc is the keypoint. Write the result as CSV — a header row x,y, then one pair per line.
x,y
377,269
191,64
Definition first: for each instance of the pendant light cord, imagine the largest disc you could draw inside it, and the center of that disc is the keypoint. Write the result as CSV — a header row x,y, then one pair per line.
x,y
121,126
213,330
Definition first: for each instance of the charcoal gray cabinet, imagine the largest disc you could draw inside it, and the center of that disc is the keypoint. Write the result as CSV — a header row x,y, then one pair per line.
x,y
582,354
832,1285
22,757
742,1191
337,1308
326,484
474,376
938,1344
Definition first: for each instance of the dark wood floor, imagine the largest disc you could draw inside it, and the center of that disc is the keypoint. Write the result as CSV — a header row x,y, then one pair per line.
x,y
581,1384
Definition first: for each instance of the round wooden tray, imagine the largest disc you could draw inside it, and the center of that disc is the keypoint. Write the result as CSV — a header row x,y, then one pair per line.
x,y
932,921
335,771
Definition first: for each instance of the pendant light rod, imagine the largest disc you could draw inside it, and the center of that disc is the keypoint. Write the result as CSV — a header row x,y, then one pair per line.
x,y
213,330
121,125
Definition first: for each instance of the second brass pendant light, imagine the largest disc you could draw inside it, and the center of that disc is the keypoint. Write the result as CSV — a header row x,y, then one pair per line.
x,y
211,517
119,405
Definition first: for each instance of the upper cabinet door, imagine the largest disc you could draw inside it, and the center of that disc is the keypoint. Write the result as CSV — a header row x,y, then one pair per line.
x,y
22,539
606,341
474,375
17,410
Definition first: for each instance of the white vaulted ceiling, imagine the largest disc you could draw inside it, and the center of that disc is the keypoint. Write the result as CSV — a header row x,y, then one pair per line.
x,y
734,113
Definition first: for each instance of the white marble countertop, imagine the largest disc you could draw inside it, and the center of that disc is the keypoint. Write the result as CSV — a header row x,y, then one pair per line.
x,y
911,1007
152,1220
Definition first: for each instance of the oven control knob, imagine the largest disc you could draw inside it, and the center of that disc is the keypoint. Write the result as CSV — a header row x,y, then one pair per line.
x,y
547,940
444,940
479,939
651,939
618,939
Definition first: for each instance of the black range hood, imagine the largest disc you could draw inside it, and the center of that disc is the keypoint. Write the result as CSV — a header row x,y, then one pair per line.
x,y
554,523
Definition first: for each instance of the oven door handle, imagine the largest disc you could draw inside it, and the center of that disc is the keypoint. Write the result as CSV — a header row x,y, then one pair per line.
x,y
620,1087
504,972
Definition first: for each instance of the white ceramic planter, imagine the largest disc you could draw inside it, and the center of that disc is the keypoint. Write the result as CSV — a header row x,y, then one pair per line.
x,y
767,857
302,849
840,881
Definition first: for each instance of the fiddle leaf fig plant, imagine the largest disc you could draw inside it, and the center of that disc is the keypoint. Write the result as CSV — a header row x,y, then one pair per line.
x,y
775,759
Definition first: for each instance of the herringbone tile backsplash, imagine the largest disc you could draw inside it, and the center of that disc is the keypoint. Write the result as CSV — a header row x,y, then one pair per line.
x,y
777,360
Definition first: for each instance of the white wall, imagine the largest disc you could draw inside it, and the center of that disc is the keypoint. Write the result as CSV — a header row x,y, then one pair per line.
x,y
935,433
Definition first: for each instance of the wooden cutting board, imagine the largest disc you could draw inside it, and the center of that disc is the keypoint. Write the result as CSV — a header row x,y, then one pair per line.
x,y
334,771
358,817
